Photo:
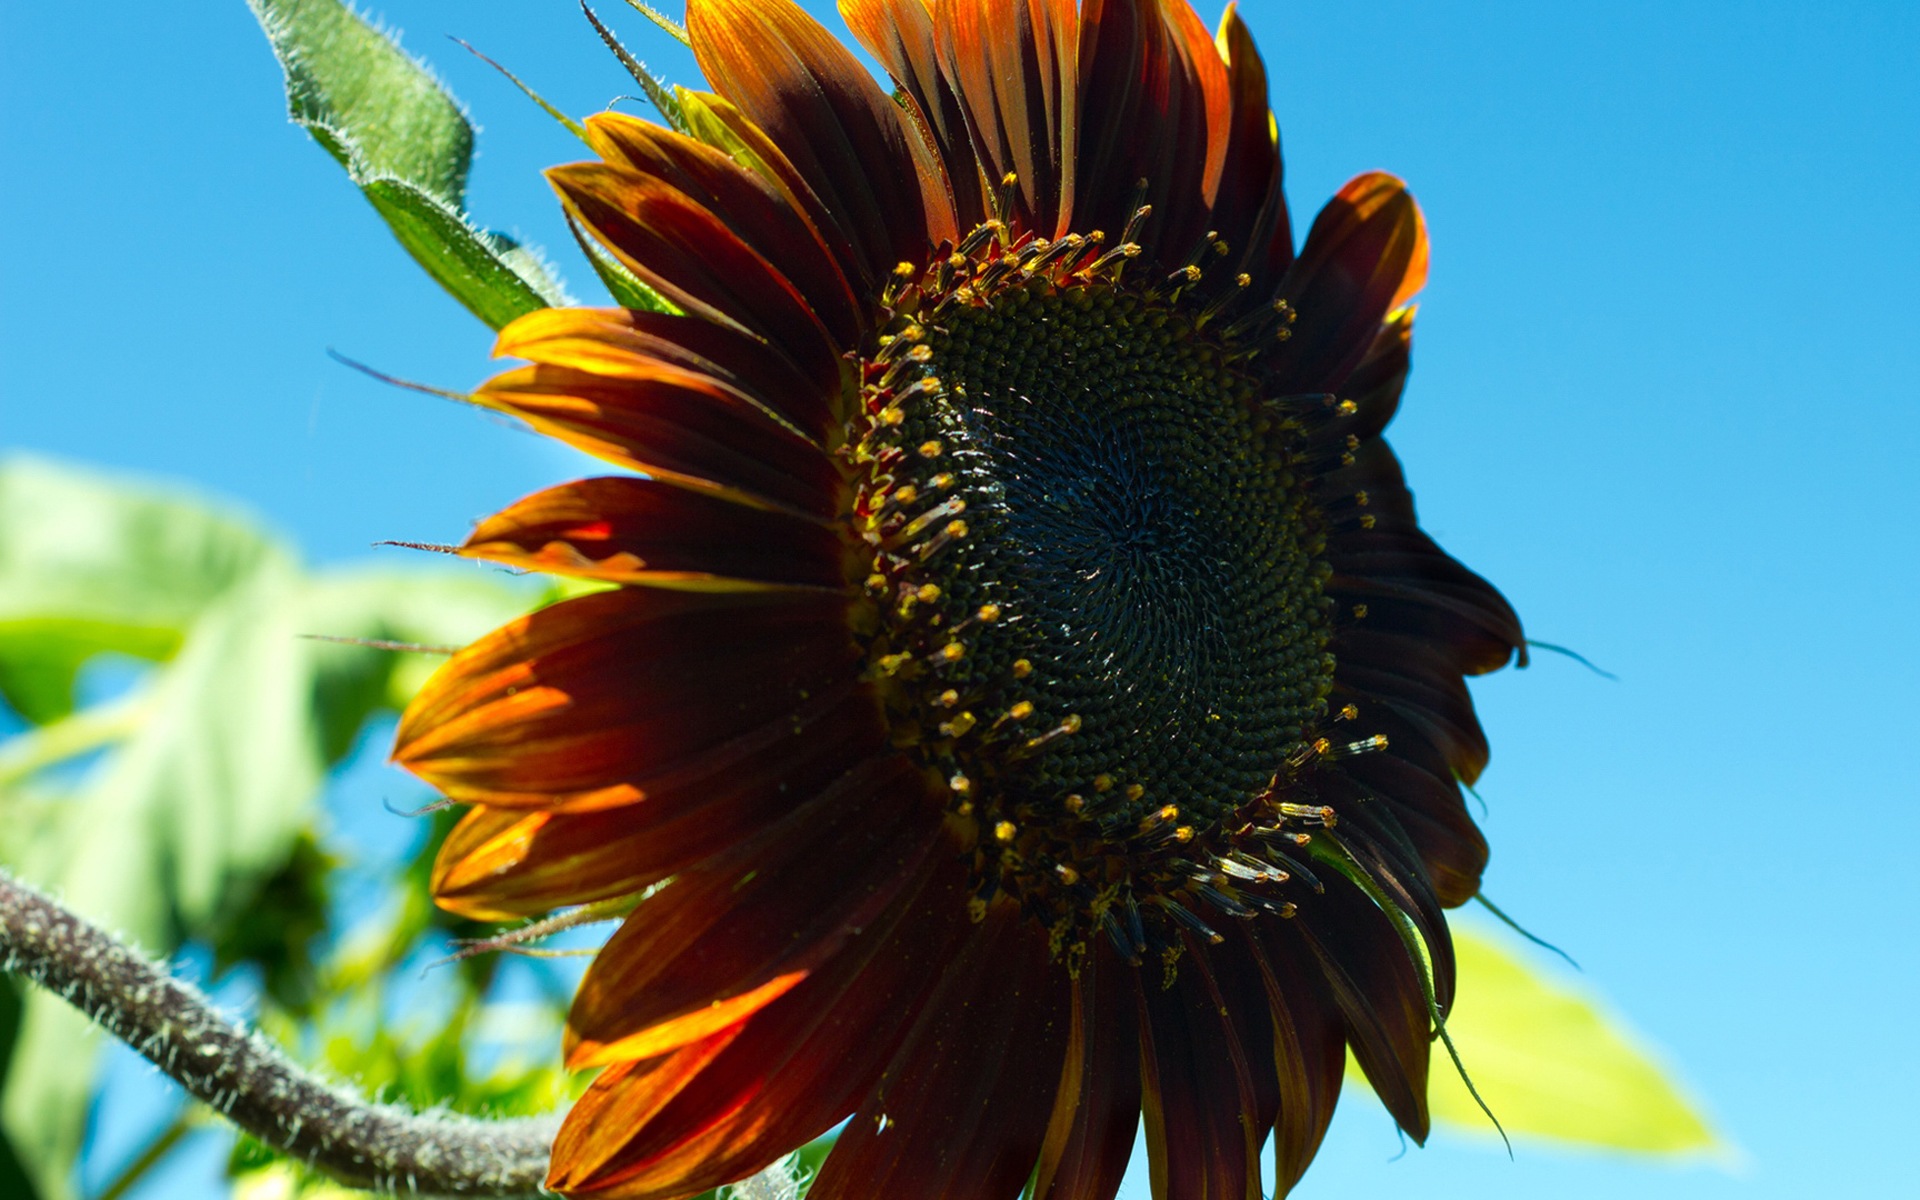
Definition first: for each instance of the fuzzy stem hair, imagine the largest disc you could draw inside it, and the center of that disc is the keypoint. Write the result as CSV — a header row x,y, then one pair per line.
x,y
250,1081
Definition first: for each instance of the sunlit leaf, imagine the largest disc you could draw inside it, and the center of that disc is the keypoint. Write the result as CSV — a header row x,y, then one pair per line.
x,y
87,566
1554,1063
368,102
204,797
406,142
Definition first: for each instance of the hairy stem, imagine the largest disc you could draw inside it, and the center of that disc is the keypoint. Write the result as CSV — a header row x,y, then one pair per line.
x,y
249,1080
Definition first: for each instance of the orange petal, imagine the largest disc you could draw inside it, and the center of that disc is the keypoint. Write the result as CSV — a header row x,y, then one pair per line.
x,y
961,1111
733,933
878,179
688,254
1365,257
750,205
511,862
1141,70
675,425
1012,63
900,34
716,116
629,530
785,1075
622,344
621,689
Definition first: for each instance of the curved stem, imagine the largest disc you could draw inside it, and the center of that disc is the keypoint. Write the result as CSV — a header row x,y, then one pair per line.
x,y
249,1080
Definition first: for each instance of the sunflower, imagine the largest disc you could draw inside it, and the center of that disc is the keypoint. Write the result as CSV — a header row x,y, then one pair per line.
x,y
1025,700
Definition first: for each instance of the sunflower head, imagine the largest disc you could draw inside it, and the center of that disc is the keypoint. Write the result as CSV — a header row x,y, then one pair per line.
x,y
1026,700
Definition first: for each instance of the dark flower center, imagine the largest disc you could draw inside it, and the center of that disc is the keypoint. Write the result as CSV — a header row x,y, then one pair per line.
x,y
1098,609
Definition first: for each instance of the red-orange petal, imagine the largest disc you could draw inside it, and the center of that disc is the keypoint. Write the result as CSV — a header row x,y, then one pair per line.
x,y
1014,66
1310,1050
1376,987
784,1076
730,935
675,425
689,254
749,204
900,34
1365,256
631,530
792,78
1142,68
961,1111
1250,210
597,699
1096,1110
1409,585
1430,810
1207,88
500,863
1197,1088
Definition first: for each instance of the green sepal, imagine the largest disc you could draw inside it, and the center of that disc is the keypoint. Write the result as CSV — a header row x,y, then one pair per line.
x,y
623,285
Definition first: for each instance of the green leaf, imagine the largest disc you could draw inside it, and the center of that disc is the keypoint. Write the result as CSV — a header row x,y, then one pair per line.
x,y
494,278
89,566
406,142
202,801
1553,1063
375,108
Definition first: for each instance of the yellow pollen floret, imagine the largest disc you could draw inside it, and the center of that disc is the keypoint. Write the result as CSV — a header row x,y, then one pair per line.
x,y
904,270
906,495
953,652
1103,783
1135,791
1022,668
928,593
1005,831
949,698
891,415
1183,833
930,449
1075,802
960,784
989,612
1067,874
1021,710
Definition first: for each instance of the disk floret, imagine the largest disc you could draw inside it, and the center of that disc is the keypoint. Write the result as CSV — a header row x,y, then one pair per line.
x,y
1095,578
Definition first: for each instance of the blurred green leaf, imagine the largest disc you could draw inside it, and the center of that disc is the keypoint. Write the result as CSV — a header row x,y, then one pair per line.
x,y
1553,1063
406,142
206,795
87,566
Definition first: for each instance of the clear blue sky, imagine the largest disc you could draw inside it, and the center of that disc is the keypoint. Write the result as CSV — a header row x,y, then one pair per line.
x,y
1664,396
